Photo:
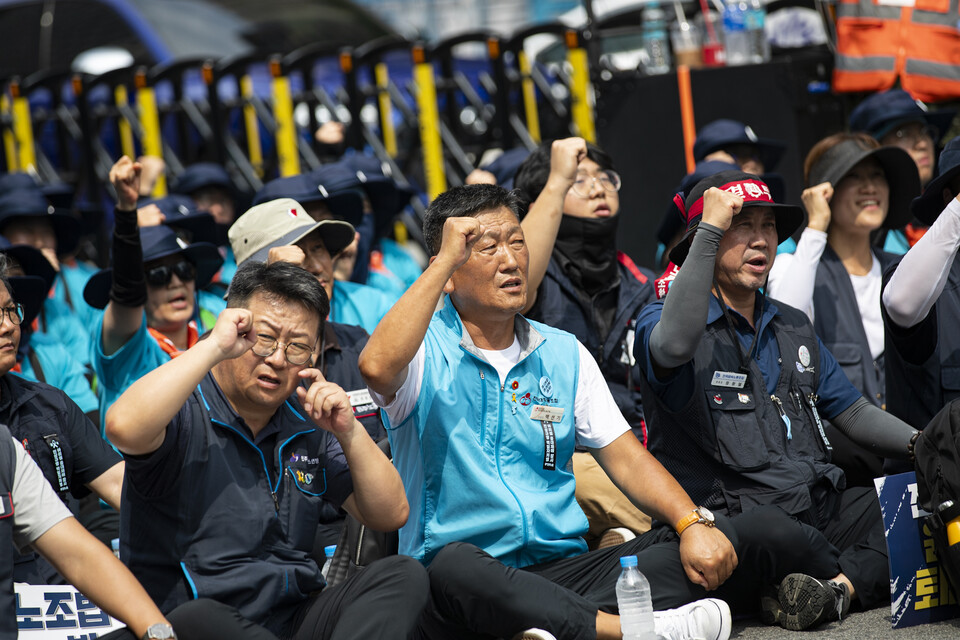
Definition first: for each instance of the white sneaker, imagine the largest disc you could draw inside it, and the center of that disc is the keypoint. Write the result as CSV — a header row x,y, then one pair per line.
x,y
535,634
707,619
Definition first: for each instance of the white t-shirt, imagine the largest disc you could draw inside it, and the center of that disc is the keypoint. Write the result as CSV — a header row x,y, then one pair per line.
x,y
597,419
36,507
867,289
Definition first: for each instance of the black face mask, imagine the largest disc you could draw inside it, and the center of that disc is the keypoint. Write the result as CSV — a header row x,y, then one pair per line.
x,y
590,244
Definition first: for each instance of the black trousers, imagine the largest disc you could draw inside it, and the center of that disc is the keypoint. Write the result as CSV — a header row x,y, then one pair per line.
x,y
382,601
474,596
851,542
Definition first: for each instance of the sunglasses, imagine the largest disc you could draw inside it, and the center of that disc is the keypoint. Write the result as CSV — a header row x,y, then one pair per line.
x,y
161,276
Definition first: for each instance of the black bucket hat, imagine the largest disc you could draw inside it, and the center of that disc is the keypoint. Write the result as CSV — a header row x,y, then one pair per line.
x,y
899,168
880,113
200,175
751,188
928,205
159,242
21,204
29,292
31,260
721,133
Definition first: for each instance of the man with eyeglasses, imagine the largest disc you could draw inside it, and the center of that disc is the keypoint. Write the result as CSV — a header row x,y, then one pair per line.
x,y
233,464
148,296
894,118
593,291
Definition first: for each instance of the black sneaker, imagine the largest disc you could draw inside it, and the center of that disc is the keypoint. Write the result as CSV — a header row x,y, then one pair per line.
x,y
770,610
806,602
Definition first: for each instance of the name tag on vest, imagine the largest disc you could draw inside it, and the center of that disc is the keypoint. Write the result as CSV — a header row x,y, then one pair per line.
x,y
361,402
729,379
546,414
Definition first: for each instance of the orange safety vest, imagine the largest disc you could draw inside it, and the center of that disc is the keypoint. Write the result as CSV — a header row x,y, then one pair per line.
x,y
878,43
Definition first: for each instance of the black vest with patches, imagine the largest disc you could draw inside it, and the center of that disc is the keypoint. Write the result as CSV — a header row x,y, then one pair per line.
x,y
730,448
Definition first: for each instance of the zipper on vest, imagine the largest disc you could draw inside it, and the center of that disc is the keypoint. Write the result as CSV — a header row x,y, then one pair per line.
x,y
276,503
783,415
812,400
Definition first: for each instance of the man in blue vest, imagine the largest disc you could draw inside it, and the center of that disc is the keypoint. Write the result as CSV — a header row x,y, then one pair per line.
x,y
232,466
485,408
595,292
734,386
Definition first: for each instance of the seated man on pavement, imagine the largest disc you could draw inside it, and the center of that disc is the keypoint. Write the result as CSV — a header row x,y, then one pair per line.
x,y
34,519
229,471
741,431
485,408
593,291
65,444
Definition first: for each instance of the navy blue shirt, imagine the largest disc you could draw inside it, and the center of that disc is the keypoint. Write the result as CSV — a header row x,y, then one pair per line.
x,y
836,392
156,472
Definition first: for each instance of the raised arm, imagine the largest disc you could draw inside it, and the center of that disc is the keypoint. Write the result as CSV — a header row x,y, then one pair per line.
x,y
793,277
165,389
128,291
674,340
922,273
378,499
542,221
383,362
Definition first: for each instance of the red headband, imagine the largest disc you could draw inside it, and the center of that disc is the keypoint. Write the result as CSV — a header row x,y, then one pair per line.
x,y
749,190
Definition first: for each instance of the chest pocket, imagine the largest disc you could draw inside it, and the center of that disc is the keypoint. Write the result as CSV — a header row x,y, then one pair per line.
x,y
304,484
740,438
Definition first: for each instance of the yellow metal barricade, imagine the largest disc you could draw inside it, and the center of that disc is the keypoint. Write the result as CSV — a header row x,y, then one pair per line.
x,y
251,125
287,156
529,92
150,123
122,99
9,141
22,130
387,130
429,123
580,106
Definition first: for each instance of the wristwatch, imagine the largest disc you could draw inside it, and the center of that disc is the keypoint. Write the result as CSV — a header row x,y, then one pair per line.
x,y
159,631
700,515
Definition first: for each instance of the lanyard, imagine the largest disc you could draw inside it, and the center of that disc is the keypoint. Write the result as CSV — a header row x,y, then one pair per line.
x,y
744,357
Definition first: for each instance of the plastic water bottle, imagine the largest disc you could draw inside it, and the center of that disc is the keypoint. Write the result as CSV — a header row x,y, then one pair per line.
x,y
115,546
736,37
328,551
756,19
633,599
655,42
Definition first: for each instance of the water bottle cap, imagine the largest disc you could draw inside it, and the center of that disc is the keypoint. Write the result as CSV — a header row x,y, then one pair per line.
x,y
115,544
628,561
329,550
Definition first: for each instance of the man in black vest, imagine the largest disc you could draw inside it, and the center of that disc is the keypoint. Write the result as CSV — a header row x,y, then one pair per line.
x,y
733,388
921,304
231,467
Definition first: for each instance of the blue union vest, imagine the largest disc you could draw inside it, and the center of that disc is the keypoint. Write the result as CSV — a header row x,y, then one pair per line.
x,y
475,466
